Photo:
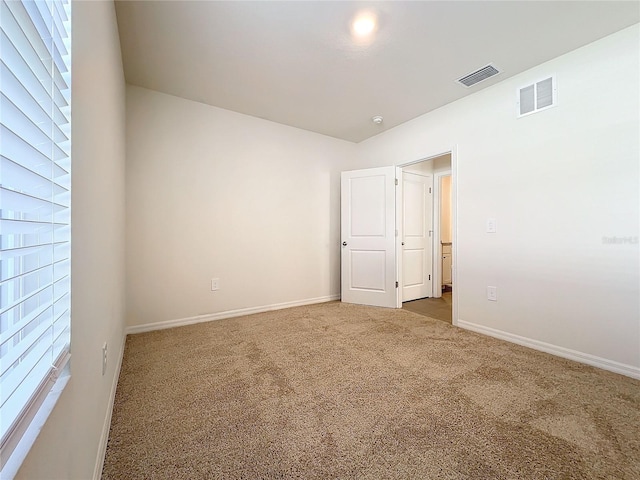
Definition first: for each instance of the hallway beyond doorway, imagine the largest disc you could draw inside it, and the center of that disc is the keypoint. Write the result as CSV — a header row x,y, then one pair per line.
x,y
438,308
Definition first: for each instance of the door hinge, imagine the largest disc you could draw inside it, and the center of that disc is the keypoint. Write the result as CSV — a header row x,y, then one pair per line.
x,y
396,233
396,182
429,277
429,189
396,284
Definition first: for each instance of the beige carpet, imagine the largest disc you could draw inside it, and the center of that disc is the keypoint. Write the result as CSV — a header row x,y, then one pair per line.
x,y
350,392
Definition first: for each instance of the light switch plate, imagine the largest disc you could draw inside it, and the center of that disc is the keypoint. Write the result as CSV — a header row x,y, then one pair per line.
x,y
492,294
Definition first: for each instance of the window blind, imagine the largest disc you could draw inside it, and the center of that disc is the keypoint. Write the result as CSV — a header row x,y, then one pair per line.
x,y
35,200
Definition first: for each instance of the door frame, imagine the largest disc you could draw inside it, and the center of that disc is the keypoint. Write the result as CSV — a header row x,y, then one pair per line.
x,y
453,151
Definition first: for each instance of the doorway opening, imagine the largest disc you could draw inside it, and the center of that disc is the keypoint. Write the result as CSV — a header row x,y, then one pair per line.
x,y
373,237
426,243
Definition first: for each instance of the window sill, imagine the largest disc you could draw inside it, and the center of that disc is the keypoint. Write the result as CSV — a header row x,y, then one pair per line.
x,y
19,453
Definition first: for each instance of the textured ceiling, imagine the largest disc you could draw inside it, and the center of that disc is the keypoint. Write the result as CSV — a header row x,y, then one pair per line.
x,y
296,63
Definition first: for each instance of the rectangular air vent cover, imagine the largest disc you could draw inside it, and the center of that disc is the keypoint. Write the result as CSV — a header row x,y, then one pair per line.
x,y
479,75
537,96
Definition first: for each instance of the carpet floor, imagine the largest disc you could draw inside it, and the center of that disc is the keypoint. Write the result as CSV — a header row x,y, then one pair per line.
x,y
339,391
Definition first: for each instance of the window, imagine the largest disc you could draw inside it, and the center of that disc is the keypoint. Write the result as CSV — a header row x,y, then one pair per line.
x,y
35,198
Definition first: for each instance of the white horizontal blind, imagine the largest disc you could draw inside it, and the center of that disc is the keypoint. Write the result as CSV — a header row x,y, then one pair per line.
x,y
35,182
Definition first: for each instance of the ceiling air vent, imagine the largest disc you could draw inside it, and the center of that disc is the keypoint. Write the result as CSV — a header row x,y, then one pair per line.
x,y
537,96
479,75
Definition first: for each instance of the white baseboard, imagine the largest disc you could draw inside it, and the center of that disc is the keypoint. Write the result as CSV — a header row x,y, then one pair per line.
x,y
102,446
610,365
148,327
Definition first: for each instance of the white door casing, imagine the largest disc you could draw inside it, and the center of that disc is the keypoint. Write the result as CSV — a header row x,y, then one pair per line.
x,y
417,238
368,260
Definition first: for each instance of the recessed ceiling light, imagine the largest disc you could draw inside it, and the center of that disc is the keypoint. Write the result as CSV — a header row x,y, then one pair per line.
x,y
364,24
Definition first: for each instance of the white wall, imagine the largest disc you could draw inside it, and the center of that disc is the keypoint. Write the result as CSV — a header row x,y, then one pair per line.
x,y
70,442
213,193
446,233
557,182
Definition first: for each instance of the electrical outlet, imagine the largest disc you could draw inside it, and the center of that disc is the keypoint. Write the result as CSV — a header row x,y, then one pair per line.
x,y
491,225
215,284
492,294
104,358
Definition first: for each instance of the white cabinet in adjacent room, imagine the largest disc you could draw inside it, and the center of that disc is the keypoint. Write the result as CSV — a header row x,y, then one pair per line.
x,y
446,264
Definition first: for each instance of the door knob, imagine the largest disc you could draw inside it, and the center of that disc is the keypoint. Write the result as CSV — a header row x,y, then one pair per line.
x,y
344,244
403,244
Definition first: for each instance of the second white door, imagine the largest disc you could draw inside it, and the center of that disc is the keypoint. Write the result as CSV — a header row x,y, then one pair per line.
x,y
417,236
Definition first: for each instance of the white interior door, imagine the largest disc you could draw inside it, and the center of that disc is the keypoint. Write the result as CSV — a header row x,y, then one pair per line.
x,y
368,260
417,239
